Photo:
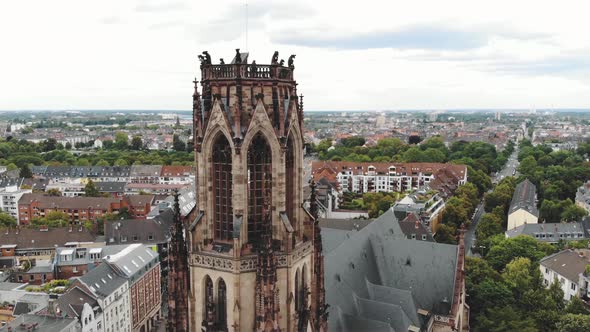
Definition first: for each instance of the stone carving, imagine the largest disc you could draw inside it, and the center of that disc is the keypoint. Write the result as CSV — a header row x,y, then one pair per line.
x,y
275,58
290,62
207,57
221,62
282,63
238,56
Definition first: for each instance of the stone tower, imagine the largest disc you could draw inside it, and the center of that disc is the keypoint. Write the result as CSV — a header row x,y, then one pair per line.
x,y
252,245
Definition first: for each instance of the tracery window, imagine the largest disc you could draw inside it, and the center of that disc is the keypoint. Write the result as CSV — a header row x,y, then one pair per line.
x,y
259,186
222,189
290,182
222,305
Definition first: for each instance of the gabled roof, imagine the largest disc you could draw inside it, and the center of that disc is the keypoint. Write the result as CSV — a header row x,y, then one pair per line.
x,y
72,302
378,260
525,195
568,263
30,238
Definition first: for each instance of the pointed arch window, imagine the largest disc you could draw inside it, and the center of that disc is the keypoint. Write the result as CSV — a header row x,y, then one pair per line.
x,y
222,305
259,187
208,301
297,290
222,188
290,182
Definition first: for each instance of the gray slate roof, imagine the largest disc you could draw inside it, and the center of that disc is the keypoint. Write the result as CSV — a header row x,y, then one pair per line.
x,y
44,323
525,195
94,280
375,277
553,232
568,263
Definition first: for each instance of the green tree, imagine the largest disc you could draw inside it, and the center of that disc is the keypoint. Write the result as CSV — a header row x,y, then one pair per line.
x,y
11,167
120,162
576,306
177,143
520,274
353,141
455,213
68,146
124,213
82,162
446,234
136,143
103,162
504,319
573,213
121,140
90,189
507,249
54,192
574,323
7,220
25,172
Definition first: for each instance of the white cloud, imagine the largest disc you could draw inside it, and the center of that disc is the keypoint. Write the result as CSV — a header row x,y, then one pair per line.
x,y
66,54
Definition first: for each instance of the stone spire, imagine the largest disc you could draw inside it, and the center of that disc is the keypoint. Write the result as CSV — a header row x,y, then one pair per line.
x,y
319,308
178,285
267,291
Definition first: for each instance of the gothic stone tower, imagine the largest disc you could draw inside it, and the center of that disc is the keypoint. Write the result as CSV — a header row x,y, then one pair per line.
x,y
252,245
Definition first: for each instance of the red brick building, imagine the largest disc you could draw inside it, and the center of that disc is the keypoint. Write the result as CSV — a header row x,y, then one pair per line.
x,y
80,209
138,205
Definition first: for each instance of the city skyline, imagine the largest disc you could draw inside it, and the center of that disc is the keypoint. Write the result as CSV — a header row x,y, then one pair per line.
x,y
135,55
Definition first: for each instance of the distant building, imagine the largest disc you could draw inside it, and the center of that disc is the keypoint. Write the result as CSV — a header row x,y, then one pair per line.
x,y
583,196
427,205
523,208
365,177
553,232
30,322
10,193
80,209
567,267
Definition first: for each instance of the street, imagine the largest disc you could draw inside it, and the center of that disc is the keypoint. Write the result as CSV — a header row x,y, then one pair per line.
x,y
508,170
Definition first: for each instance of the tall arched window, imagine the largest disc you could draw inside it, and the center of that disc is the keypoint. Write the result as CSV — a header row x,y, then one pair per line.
x,y
297,290
259,186
290,181
222,188
208,301
222,305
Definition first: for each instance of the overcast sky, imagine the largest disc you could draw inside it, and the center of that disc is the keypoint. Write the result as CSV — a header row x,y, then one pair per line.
x,y
351,55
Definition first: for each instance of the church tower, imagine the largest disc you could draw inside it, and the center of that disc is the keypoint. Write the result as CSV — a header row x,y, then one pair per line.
x,y
253,248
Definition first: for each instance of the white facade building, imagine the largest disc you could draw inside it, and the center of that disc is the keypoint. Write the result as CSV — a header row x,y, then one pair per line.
x,y
567,268
9,197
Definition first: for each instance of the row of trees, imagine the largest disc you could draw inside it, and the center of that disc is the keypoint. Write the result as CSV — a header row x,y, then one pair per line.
x,y
557,176
479,155
506,292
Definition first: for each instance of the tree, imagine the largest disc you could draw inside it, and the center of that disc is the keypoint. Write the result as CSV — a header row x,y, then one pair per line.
x,y
504,319
576,306
49,144
120,162
507,249
446,234
520,274
488,226
103,162
90,189
25,172
177,143
7,220
455,213
82,162
136,143
124,213
68,146
574,323
573,213
121,140
54,192
11,167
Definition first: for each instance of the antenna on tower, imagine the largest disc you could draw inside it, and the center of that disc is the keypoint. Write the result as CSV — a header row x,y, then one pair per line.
x,y
246,8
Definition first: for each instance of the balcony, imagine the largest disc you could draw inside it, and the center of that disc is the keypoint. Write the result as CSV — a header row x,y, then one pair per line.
x,y
233,71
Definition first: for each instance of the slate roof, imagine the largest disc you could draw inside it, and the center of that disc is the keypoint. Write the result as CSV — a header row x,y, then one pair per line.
x,y
44,323
111,187
139,200
411,225
34,238
36,184
376,277
158,228
553,232
146,170
524,197
56,202
568,263
72,302
132,261
103,280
